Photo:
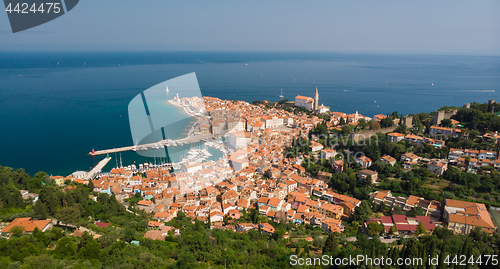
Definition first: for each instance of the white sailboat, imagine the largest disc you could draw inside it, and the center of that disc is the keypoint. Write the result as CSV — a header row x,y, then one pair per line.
x,y
281,95
167,89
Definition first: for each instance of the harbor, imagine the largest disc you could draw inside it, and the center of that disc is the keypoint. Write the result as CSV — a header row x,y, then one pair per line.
x,y
98,168
196,154
189,139
156,145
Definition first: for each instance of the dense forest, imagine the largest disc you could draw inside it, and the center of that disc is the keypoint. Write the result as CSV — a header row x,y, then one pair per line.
x,y
73,204
200,247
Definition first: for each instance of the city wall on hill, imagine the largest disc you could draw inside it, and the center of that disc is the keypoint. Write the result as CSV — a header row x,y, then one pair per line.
x,y
369,133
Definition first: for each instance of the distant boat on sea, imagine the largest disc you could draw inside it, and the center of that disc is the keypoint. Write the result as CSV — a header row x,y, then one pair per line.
x,y
166,89
281,95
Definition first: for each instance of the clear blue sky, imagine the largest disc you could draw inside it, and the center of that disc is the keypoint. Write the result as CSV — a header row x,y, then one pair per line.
x,y
424,26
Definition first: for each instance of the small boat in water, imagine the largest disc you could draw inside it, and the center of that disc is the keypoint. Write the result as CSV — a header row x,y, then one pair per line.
x,y
281,95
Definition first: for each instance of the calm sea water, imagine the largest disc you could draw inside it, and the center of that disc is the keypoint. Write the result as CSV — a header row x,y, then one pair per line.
x,y
56,107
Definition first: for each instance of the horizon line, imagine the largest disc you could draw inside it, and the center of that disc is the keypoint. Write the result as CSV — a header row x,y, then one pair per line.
x,y
366,52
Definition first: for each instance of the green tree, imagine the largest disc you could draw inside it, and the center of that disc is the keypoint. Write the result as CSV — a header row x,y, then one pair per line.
x,y
473,134
319,242
393,230
89,249
342,121
38,180
128,235
41,211
43,261
331,244
346,130
368,181
65,248
421,229
352,228
17,230
68,215
383,207
401,129
374,125
378,166
363,212
416,211
375,229
40,236
5,262
397,210
446,123
386,122
362,124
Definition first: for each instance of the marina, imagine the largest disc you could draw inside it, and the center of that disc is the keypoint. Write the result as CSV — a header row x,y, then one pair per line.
x,y
156,145
194,155
197,154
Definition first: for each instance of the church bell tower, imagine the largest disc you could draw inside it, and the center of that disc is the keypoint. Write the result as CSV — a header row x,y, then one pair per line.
x,y
316,100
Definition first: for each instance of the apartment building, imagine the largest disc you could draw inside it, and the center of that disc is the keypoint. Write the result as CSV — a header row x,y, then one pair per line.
x,y
462,217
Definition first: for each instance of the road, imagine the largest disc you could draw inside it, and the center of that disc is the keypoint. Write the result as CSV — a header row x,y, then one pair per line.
x,y
387,241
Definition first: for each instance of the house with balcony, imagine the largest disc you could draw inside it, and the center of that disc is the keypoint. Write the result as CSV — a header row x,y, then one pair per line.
x,y
395,137
437,167
364,161
387,159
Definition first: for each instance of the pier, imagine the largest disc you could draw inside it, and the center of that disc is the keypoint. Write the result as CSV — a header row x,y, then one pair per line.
x,y
167,143
98,168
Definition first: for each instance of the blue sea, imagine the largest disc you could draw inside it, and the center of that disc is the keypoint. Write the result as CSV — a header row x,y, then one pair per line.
x,y
55,107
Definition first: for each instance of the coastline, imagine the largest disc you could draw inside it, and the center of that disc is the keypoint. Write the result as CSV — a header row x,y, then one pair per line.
x,y
188,112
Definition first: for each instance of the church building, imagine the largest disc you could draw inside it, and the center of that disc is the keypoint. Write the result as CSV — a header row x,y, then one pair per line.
x,y
308,102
